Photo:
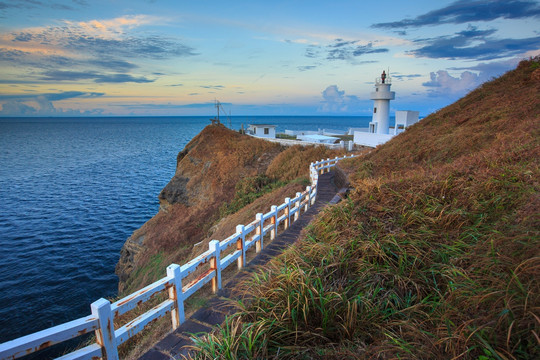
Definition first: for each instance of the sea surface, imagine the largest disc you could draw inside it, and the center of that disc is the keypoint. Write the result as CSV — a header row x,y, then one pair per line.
x,y
72,190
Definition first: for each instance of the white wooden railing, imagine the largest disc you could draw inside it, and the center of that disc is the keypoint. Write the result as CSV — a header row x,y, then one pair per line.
x,y
209,266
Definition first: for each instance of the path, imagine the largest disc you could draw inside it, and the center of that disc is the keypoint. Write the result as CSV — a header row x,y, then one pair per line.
x,y
173,346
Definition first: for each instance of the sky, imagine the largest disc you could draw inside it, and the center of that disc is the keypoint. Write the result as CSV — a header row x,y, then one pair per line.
x,y
293,57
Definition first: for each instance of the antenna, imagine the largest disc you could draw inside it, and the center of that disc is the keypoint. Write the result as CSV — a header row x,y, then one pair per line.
x,y
218,107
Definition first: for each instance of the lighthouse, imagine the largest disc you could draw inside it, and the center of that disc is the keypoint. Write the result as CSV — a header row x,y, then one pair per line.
x,y
381,105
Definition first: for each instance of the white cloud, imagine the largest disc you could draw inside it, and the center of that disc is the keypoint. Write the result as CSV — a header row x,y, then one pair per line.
x,y
111,28
443,83
446,83
335,101
42,104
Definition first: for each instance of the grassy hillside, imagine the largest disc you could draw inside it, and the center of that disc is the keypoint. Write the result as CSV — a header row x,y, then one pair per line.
x,y
434,255
222,179
218,173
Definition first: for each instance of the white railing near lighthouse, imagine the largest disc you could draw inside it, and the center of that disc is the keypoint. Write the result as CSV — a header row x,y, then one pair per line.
x,y
103,312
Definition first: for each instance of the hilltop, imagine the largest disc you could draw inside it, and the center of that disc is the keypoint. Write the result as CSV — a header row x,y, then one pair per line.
x,y
435,253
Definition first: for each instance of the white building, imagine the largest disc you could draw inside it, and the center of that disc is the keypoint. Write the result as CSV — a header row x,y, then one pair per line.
x,y
379,130
381,105
404,119
262,130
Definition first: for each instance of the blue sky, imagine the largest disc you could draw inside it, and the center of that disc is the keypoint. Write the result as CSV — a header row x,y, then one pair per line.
x,y
108,58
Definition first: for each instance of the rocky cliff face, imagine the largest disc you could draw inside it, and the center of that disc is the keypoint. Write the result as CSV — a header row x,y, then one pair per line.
x,y
206,173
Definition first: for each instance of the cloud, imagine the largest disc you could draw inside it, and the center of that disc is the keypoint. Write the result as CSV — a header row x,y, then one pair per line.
x,y
402,76
441,83
368,49
313,51
51,96
34,4
17,108
54,62
307,67
113,28
213,87
466,11
152,47
492,69
474,44
112,64
204,105
343,50
59,75
88,50
41,104
447,84
335,101
121,78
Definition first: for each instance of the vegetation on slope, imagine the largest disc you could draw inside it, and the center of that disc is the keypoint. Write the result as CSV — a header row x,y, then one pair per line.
x,y
289,165
207,171
435,254
218,172
221,180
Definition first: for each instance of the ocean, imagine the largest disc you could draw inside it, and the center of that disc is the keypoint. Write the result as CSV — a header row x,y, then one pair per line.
x,y
72,190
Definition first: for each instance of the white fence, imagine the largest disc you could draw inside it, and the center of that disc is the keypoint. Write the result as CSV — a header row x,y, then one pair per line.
x,y
211,263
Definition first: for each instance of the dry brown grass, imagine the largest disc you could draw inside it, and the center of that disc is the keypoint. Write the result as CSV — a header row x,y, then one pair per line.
x,y
211,164
435,254
294,162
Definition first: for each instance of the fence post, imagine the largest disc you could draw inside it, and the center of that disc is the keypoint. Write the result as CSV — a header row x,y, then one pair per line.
x,y
273,220
176,294
259,232
105,333
297,213
215,264
328,164
287,213
241,245
308,203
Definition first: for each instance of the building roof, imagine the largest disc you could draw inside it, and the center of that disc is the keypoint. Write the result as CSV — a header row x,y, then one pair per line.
x,y
258,125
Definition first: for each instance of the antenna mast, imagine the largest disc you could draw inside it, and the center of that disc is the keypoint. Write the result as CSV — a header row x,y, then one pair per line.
x,y
216,120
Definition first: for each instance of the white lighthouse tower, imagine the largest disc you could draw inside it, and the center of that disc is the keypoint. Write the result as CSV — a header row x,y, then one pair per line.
x,y
381,107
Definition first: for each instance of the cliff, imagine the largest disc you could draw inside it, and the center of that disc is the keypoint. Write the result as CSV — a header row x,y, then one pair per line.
x,y
434,255
217,169
206,173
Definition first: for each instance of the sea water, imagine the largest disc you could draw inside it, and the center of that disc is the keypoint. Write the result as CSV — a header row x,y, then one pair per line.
x,y
72,190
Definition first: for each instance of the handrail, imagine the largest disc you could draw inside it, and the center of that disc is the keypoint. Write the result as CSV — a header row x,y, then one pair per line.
x,y
104,313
